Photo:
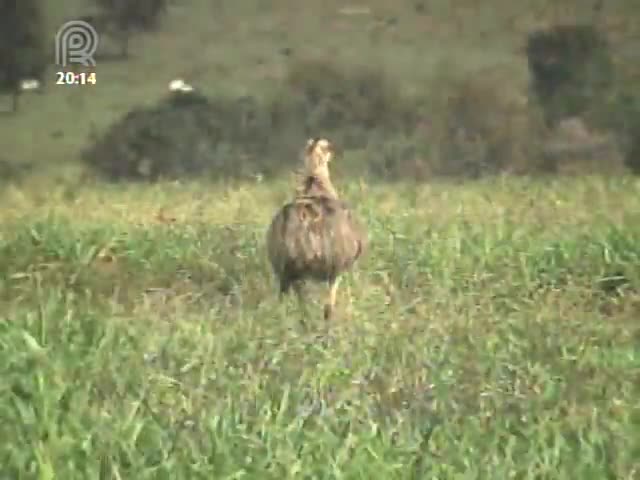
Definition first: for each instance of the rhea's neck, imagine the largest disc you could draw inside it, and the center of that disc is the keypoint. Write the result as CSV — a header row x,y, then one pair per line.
x,y
316,184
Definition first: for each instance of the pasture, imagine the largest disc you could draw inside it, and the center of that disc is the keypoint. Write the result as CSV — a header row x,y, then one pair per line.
x,y
490,331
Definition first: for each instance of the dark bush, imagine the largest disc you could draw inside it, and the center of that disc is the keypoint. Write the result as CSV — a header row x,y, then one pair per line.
x,y
485,125
23,51
619,114
13,171
627,127
399,158
575,148
479,124
185,135
351,101
570,67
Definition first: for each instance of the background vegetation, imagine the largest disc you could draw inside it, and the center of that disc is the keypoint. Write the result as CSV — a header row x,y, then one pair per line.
x,y
411,91
491,331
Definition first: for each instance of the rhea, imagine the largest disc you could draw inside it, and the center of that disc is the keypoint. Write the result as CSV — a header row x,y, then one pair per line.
x,y
315,236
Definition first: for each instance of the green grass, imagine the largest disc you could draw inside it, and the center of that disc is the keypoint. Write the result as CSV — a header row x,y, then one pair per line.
x,y
481,336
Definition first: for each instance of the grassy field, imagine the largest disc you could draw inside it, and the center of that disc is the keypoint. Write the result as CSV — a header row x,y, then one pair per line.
x,y
491,331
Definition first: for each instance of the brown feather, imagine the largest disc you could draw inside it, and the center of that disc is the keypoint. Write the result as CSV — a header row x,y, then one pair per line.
x,y
315,236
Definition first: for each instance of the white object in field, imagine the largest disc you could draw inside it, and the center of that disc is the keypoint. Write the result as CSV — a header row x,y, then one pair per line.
x,y
29,84
179,85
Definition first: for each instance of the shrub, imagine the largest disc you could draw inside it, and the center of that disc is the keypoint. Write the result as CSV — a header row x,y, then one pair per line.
x,y
575,148
485,125
625,121
399,158
619,114
11,172
480,123
348,101
184,135
188,134
571,69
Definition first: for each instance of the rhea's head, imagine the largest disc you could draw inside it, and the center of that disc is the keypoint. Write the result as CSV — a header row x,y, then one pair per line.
x,y
317,155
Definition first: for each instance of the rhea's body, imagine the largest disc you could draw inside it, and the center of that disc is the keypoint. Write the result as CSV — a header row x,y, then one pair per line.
x,y
315,236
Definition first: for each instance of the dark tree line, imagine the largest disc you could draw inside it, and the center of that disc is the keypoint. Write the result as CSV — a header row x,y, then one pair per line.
x,y
26,45
23,48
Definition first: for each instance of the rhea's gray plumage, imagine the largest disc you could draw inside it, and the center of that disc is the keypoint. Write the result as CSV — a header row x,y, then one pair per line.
x,y
315,236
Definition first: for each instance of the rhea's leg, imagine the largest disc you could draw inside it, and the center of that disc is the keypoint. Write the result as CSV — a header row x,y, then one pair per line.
x,y
331,300
298,288
286,284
